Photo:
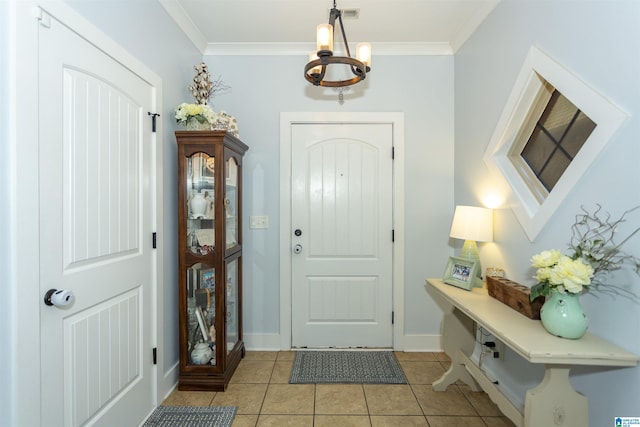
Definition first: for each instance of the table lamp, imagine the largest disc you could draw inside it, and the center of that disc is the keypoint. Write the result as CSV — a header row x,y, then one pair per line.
x,y
472,224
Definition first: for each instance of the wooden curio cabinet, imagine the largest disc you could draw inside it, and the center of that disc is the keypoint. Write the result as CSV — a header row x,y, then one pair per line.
x,y
209,258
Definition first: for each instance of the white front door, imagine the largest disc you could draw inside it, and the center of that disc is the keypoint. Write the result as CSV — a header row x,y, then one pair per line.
x,y
341,234
95,233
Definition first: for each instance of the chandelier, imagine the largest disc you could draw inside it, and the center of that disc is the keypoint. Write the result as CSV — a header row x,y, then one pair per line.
x,y
315,70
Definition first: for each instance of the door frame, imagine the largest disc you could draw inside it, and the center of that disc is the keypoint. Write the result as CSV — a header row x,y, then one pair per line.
x,y
287,120
25,396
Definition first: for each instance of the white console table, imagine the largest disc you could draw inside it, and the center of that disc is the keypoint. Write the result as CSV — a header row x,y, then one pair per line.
x,y
553,402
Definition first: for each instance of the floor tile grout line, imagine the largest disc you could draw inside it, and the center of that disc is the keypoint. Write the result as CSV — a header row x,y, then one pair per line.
x,y
271,378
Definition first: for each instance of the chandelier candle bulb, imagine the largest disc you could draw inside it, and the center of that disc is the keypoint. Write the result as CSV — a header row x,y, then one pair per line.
x,y
324,37
318,68
363,53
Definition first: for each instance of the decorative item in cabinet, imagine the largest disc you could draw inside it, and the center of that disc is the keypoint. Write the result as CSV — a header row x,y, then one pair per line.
x,y
209,258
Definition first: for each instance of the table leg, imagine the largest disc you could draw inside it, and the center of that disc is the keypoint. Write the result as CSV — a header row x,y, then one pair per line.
x,y
458,335
554,402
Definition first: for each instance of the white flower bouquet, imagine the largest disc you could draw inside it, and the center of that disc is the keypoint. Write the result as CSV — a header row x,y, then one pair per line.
x,y
559,272
203,114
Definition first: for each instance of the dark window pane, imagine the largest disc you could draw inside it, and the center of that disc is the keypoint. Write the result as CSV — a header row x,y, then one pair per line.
x,y
551,174
558,115
559,134
578,134
537,151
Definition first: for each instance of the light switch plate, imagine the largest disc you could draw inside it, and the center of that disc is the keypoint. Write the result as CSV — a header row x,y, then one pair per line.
x,y
258,221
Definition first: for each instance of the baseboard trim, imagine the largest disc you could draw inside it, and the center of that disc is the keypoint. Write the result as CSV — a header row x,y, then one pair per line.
x,y
168,384
415,343
262,342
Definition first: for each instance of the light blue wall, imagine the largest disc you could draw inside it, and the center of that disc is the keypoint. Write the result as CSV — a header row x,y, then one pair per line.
x,y
598,41
265,86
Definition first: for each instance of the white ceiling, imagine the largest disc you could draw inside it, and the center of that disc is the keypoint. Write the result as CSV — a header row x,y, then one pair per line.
x,y
268,27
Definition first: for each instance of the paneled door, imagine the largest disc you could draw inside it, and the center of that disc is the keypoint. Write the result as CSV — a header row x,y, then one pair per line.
x,y
95,228
342,248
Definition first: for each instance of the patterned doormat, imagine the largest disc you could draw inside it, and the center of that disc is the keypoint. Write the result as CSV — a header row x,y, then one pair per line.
x,y
362,367
192,416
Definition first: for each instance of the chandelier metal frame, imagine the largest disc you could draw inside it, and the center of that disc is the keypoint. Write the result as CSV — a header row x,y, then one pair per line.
x,y
326,58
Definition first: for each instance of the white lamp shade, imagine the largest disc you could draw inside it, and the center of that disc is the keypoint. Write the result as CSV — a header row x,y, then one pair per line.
x,y
472,223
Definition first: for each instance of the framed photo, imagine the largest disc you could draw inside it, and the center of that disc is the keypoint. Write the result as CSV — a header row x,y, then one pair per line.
x,y
208,170
462,273
207,278
200,170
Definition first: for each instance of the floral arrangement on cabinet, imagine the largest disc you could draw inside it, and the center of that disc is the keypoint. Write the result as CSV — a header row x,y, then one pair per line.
x,y
200,116
196,116
594,253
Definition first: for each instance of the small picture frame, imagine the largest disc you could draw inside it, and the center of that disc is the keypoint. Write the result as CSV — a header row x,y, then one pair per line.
x,y
207,278
462,273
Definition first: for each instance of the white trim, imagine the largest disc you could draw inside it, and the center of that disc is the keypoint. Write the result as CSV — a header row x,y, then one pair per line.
x,y
303,49
182,19
423,343
24,204
472,24
261,342
538,68
286,121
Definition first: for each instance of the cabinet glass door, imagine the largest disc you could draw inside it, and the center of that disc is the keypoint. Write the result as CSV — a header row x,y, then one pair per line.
x,y
232,304
200,203
201,314
231,203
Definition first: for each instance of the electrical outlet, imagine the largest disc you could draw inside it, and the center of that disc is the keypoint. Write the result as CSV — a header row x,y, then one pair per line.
x,y
495,347
499,350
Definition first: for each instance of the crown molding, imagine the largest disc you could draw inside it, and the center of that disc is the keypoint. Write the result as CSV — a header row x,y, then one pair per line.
x,y
294,49
178,14
472,24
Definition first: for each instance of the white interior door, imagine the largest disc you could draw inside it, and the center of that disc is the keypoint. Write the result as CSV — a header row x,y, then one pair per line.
x,y
342,221
95,231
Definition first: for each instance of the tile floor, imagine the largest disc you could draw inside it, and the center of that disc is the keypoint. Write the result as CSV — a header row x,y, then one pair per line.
x,y
260,389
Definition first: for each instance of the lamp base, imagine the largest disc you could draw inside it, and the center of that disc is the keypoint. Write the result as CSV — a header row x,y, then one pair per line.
x,y
470,252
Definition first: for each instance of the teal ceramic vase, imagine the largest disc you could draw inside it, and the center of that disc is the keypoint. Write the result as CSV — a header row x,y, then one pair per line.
x,y
563,316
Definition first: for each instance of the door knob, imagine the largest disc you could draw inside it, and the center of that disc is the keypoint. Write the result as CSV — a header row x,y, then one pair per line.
x,y
297,248
59,298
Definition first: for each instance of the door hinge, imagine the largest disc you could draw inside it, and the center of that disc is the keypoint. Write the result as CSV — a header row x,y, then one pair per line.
x,y
393,153
393,315
154,116
154,238
393,235
155,355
